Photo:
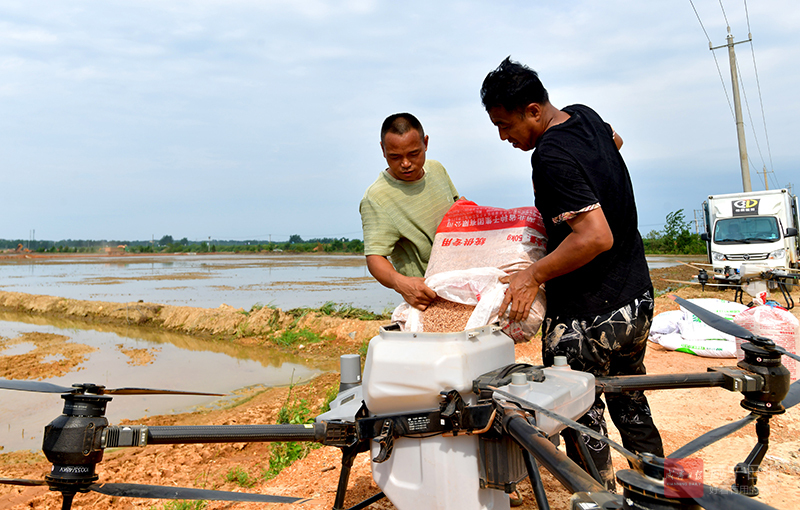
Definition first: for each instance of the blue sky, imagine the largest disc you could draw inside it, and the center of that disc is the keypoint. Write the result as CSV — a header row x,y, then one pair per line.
x,y
238,119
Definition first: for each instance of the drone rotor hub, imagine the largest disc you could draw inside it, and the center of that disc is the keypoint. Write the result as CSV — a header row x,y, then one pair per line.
x,y
766,363
72,442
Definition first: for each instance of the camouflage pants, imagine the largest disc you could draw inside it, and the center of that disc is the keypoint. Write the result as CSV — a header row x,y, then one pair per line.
x,y
608,345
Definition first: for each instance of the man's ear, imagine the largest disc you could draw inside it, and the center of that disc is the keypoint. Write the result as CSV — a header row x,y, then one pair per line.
x,y
533,110
425,141
383,150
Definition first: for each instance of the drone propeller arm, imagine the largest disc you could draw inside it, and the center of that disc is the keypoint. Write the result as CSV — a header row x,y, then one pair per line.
x,y
562,467
617,384
140,435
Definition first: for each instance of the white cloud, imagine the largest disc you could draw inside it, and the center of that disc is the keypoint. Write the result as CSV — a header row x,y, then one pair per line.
x,y
270,109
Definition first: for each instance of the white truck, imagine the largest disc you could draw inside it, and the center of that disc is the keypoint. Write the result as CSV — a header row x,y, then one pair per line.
x,y
755,227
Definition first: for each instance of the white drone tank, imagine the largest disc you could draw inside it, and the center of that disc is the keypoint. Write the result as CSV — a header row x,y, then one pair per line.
x,y
405,372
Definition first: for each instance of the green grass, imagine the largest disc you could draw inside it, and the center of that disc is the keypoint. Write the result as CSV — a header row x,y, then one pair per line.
x,y
183,505
283,455
290,337
240,477
343,311
329,396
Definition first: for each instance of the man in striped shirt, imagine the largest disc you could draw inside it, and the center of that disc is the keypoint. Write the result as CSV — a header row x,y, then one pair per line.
x,y
402,209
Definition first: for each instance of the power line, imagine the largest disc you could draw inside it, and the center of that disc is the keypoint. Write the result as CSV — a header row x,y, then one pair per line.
x,y
716,62
723,13
758,86
767,168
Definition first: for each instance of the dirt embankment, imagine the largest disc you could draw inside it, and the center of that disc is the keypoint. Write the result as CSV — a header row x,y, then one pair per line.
x,y
223,323
681,415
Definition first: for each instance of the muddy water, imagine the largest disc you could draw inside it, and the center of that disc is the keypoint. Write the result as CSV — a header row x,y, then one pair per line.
x,y
282,280
133,357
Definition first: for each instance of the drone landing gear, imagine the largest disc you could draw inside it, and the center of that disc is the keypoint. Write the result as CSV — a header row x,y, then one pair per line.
x,y
536,481
574,442
348,456
747,472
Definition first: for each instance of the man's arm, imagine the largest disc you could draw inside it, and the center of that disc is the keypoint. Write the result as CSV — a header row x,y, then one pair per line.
x,y
616,137
413,289
590,237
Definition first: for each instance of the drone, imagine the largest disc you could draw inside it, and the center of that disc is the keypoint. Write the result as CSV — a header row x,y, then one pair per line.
x,y
750,278
514,429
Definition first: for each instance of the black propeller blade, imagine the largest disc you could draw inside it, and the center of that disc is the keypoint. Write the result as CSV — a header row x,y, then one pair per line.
x,y
22,481
712,436
94,389
133,490
40,387
726,326
793,397
709,498
716,499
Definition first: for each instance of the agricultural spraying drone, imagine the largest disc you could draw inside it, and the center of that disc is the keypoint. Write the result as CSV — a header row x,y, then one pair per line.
x,y
481,442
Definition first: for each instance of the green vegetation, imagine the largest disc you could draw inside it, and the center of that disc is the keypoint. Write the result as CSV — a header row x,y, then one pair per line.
x,y
183,505
290,337
332,392
240,477
675,239
284,454
342,311
362,350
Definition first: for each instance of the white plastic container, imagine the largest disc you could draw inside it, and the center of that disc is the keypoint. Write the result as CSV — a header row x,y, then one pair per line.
x,y
406,371
438,473
567,392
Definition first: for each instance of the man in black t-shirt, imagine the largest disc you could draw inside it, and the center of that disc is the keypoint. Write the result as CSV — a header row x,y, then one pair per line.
x,y
599,294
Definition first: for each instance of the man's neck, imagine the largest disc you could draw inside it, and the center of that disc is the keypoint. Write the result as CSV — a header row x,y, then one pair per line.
x,y
553,116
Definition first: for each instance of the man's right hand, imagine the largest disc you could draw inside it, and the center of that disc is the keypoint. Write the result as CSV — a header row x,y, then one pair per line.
x,y
414,291
412,288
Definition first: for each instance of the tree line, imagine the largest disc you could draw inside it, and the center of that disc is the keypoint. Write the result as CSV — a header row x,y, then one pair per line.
x,y
168,244
675,238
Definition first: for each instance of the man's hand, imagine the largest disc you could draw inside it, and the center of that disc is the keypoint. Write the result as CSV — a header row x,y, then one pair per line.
x,y
590,237
521,293
413,289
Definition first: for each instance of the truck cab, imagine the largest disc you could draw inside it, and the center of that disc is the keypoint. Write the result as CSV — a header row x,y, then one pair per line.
x,y
755,227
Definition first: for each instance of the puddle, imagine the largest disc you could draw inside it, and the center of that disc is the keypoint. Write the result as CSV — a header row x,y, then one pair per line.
x,y
133,357
20,348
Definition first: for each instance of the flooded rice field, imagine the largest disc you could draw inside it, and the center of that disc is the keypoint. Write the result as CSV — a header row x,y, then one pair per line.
x,y
66,352
281,280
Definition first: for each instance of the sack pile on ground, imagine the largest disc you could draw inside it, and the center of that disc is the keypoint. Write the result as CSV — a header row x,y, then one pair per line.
x,y
680,330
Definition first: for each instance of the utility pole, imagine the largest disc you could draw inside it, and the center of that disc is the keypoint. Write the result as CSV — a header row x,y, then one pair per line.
x,y
737,107
697,212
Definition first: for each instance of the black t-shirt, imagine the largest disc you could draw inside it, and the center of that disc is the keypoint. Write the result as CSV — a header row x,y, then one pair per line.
x,y
576,165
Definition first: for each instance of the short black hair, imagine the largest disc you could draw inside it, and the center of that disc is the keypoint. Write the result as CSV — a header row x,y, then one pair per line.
x,y
400,124
512,86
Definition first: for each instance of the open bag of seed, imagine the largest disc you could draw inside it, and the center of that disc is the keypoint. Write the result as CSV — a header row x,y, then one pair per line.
x,y
473,248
